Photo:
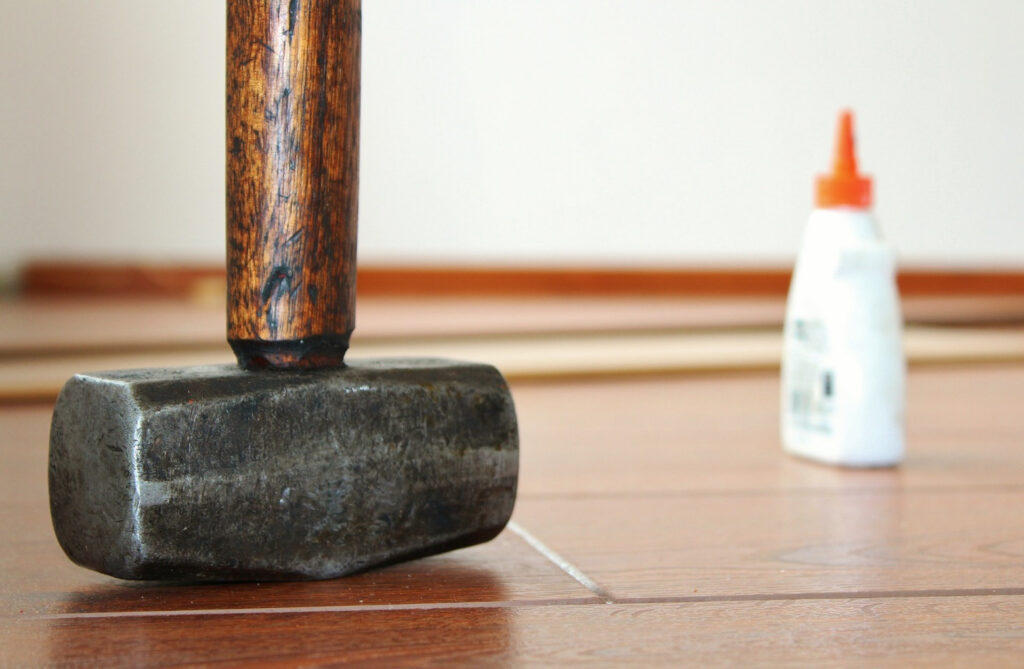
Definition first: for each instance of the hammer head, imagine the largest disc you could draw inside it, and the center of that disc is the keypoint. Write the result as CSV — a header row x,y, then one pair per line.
x,y
215,473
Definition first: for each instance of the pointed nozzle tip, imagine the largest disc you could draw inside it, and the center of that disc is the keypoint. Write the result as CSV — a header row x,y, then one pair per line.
x,y
846,150
844,187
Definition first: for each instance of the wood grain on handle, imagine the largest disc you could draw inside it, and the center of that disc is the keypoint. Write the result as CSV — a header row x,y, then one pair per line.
x,y
293,69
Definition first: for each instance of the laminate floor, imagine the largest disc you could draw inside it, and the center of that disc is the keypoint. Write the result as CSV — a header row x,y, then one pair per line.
x,y
658,523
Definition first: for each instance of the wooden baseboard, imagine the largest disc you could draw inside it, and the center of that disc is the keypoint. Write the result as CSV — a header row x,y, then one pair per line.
x,y
66,278
76,278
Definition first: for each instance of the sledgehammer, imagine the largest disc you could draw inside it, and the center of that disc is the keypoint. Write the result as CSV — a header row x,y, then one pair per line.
x,y
294,464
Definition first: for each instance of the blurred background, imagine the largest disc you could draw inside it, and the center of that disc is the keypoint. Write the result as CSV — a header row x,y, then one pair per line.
x,y
668,133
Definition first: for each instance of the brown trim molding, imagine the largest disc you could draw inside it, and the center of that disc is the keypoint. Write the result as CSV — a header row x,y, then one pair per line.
x,y
57,278
68,278
945,282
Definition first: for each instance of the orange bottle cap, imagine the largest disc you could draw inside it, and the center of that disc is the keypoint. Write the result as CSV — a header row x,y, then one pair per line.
x,y
844,187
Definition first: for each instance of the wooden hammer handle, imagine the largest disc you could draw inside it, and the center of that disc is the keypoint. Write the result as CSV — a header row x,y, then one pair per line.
x,y
293,69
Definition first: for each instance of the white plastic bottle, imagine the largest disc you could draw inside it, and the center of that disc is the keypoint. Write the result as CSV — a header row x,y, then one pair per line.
x,y
843,369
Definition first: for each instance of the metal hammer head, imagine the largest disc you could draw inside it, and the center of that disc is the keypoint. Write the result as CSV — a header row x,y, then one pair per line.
x,y
216,473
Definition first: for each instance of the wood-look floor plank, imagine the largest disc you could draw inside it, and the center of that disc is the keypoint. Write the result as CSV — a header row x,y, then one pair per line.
x,y
36,577
800,542
720,432
960,631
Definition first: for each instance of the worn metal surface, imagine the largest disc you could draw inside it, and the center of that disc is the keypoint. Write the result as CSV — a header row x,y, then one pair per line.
x,y
214,473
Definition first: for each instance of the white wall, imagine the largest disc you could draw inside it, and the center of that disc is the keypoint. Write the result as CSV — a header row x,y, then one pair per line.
x,y
536,131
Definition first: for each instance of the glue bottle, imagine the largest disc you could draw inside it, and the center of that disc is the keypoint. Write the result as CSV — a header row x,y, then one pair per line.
x,y
843,368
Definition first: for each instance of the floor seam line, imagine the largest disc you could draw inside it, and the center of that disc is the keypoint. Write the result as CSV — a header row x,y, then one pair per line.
x,y
293,610
763,492
572,601
569,568
823,596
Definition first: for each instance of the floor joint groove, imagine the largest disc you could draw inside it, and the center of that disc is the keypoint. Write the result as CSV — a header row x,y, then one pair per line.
x,y
563,564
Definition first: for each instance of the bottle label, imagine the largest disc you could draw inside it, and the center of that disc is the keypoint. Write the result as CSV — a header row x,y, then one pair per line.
x,y
812,383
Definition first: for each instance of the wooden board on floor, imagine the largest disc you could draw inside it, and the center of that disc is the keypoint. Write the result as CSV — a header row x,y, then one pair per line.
x,y
70,326
93,325
538,357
